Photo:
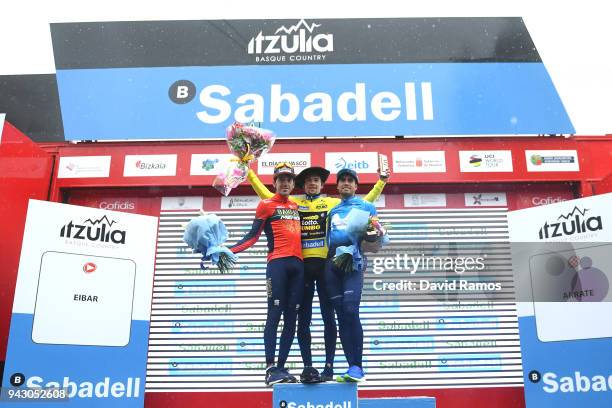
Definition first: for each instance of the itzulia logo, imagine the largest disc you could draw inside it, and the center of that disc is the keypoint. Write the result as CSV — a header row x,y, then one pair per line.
x,y
97,231
296,38
576,222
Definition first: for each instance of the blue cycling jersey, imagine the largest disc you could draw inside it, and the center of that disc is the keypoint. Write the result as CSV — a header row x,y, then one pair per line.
x,y
337,235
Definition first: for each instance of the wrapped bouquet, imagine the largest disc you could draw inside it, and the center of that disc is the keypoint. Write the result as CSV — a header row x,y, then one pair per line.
x,y
206,235
247,143
375,236
366,234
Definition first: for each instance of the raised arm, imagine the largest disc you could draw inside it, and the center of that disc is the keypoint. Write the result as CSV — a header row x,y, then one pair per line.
x,y
260,189
375,191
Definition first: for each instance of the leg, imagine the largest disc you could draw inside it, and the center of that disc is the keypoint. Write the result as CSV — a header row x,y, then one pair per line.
x,y
305,312
334,281
275,284
353,286
330,333
294,289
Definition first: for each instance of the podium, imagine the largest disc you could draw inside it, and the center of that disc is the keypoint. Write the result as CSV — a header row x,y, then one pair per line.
x,y
338,395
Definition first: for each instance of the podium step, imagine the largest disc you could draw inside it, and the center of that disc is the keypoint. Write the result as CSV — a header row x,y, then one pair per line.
x,y
338,395
407,402
325,395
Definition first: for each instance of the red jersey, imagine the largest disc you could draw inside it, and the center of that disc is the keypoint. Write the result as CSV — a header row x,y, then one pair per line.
x,y
279,218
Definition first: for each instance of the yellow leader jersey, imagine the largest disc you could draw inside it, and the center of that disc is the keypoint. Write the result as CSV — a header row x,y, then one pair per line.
x,y
313,215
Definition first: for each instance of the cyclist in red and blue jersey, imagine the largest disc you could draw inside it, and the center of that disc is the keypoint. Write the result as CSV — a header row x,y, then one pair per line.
x,y
279,218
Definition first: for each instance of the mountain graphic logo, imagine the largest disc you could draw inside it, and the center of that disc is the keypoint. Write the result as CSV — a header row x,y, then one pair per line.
x,y
296,27
299,38
574,222
573,212
99,230
104,218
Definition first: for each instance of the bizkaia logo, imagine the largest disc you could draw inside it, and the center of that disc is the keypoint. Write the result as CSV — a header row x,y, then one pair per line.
x,y
143,165
297,39
576,222
94,230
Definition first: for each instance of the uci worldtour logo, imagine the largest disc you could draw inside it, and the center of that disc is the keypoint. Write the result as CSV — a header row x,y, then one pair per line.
x,y
299,41
576,222
97,231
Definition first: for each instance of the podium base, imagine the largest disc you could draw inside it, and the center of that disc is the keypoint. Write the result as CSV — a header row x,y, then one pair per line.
x,y
338,395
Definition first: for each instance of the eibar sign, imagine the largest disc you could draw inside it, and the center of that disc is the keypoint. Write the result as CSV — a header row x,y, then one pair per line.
x,y
355,105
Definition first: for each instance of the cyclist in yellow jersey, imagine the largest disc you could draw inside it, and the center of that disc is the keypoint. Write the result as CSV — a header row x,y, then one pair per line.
x,y
313,210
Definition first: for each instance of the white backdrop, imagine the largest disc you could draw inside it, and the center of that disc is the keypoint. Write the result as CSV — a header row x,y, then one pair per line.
x,y
573,38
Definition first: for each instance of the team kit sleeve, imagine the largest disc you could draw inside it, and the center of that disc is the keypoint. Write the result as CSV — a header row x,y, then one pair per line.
x,y
372,209
261,215
260,189
376,191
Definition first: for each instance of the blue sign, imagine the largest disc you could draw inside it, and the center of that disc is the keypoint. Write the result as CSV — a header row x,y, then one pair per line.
x,y
81,311
311,100
328,395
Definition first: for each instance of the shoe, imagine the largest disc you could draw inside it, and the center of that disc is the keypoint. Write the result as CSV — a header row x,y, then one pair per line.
x,y
274,375
287,377
310,375
354,374
340,378
327,374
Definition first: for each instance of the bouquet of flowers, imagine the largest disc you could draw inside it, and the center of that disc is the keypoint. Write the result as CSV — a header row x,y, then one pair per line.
x,y
247,143
375,236
206,235
360,226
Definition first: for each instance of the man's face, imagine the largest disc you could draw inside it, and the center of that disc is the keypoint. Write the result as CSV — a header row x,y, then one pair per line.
x,y
284,184
312,184
347,186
